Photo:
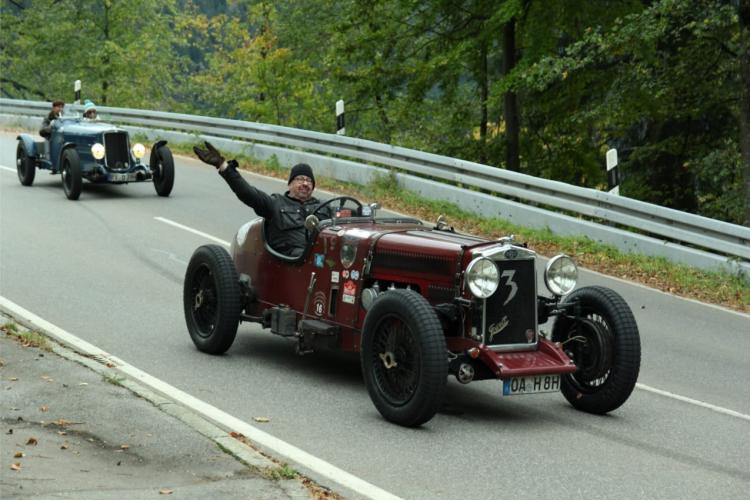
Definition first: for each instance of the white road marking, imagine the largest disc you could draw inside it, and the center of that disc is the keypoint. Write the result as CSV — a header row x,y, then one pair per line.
x,y
692,401
8,169
202,408
191,230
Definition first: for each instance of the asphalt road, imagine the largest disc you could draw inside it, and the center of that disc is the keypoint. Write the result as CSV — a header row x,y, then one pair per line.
x,y
105,269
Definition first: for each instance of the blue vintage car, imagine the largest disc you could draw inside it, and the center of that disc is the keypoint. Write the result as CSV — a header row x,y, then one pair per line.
x,y
99,152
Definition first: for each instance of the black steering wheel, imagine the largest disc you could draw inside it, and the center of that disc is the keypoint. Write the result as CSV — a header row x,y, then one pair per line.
x,y
342,200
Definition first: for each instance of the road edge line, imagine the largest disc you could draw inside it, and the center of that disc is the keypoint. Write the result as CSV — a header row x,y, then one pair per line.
x,y
224,421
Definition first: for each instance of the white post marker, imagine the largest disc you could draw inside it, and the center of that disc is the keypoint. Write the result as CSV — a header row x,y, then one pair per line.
x,y
613,175
340,128
77,90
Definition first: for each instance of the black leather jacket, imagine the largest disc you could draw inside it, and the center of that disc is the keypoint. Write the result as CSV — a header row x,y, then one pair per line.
x,y
285,216
46,130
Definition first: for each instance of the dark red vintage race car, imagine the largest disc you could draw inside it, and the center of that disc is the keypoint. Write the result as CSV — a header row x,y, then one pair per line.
x,y
419,303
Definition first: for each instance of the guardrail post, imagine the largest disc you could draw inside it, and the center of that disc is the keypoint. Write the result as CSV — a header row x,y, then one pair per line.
x,y
340,128
77,90
613,175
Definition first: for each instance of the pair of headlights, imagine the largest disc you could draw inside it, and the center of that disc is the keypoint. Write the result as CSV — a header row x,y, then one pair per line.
x,y
483,276
138,150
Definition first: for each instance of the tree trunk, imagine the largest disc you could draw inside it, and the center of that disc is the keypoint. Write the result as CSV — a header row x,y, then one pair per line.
x,y
483,93
744,18
510,108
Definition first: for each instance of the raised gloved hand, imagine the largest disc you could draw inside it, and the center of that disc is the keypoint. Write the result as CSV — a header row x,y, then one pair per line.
x,y
209,155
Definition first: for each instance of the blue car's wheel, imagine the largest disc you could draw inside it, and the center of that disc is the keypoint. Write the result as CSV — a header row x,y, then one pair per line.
x,y
72,179
163,171
24,166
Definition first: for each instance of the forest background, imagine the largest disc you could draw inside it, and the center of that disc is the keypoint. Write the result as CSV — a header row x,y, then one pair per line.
x,y
543,87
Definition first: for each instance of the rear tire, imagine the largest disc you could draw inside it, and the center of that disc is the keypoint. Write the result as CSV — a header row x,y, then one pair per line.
x,y
163,171
606,347
25,166
70,171
211,299
403,356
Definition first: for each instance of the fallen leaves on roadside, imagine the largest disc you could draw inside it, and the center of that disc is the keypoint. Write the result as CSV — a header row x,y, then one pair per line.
x,y
262,419
18,454
61,433
32,441
47,378
236,435
61,422
83,383
64,446
165,491
16,466
13,379
44,408
124,446
110,365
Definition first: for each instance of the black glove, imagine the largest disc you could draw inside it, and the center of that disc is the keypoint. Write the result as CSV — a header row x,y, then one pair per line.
x,y
209,155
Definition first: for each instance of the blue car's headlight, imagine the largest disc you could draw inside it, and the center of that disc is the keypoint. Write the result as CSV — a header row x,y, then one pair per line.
x,y
97,150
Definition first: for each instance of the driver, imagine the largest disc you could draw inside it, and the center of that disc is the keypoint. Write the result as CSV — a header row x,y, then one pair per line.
x,y
54,114
284,213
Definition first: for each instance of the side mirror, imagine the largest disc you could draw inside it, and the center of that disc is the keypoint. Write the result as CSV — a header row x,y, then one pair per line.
x,y
312,223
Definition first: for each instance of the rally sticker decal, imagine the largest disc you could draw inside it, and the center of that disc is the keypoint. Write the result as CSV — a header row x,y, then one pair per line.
x,y
350,290
319,303
319,259
334,276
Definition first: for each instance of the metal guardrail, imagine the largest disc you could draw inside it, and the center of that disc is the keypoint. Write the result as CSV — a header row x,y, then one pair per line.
x,y
720,238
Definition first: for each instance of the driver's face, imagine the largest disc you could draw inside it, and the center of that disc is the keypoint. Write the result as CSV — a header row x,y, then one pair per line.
x,y
301,188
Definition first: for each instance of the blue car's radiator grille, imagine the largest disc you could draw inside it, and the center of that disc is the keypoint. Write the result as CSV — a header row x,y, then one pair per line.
x,y
116,147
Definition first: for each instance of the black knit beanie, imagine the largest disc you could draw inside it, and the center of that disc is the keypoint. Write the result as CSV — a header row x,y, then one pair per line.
x,y
301,169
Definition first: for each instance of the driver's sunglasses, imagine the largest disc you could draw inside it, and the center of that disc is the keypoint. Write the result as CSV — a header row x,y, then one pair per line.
x,y
300,179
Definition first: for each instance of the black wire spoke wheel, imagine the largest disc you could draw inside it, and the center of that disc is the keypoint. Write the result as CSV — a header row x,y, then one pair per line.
x,y
204,301
25,167
211,299
397,361
404,358
604,343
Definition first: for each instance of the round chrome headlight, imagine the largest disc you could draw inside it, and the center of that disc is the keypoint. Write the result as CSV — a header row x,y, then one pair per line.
x,y
561,275
97,150
482,277
139,150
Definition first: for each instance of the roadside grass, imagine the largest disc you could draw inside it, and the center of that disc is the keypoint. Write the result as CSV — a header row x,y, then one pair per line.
x,y
113,379
720,288
27,338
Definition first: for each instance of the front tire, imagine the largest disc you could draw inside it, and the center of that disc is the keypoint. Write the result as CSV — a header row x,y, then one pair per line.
x,y
211,299
163,171
72,178
25,167
605,345
403,356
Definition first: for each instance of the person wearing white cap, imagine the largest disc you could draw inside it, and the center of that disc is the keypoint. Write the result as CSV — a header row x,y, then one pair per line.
x,y
89,110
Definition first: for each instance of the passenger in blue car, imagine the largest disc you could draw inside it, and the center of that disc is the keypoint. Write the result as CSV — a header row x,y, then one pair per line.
x,y
89,110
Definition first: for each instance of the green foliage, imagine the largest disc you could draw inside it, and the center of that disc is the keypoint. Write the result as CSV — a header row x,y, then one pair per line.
x,y
660,80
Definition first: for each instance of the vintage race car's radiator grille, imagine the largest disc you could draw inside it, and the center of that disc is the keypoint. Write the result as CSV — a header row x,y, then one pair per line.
x,y
510,319
412,262
116,148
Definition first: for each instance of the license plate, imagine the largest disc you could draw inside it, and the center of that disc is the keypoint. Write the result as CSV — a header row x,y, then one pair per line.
x,y
119,177
534,384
